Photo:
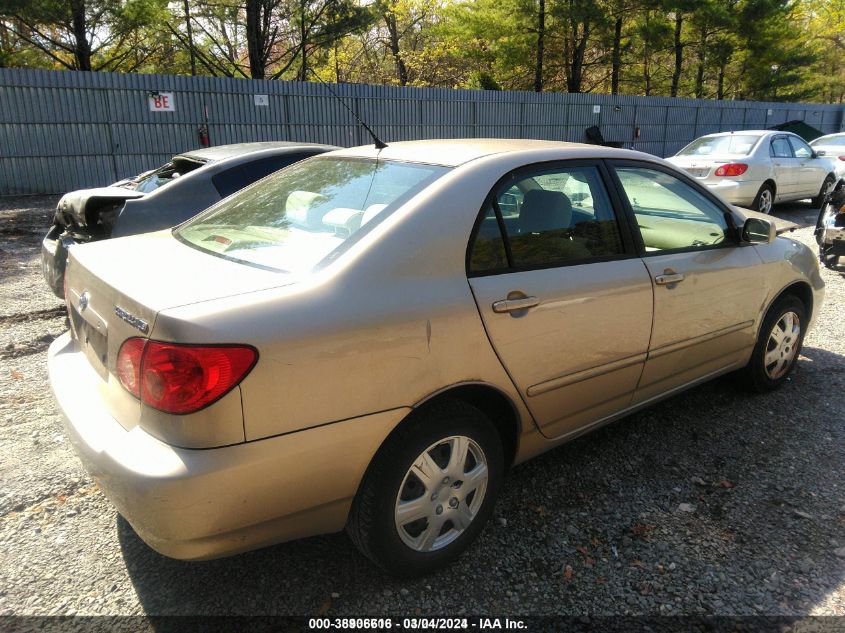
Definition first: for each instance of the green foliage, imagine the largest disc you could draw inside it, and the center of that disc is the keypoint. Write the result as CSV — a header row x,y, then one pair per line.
x,y
744,49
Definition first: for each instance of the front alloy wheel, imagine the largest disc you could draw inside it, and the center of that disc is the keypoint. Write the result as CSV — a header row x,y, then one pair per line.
x,y
778,345
782,346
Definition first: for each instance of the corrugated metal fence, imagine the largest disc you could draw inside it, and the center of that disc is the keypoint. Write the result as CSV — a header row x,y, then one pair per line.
x,y
65,130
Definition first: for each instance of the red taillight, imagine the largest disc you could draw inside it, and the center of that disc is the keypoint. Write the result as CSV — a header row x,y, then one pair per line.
x,y
129,365
181,378
842,158
732,169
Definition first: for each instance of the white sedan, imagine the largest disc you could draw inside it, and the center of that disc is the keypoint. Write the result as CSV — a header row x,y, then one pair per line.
x,y
757,168
832,147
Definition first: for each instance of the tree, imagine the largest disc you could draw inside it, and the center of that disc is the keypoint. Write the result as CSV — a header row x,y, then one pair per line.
x,y
83,34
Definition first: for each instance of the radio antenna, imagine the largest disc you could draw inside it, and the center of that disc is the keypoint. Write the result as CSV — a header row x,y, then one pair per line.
x,y
378,142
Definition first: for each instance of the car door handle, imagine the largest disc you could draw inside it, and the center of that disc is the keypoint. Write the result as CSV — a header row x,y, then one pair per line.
x,y
668,278
510,305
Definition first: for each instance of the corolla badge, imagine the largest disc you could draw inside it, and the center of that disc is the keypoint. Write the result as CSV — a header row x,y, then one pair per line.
x,y
136,322
84,300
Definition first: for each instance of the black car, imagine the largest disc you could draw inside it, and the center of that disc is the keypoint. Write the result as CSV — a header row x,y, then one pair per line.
x,y
162,197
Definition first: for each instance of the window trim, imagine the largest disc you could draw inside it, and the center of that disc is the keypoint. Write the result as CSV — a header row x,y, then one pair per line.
x,y
629,246
731,234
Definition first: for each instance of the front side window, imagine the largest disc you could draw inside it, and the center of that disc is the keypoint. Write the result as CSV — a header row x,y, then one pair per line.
x,y
551,216
781,148
800,148
307,214
670,213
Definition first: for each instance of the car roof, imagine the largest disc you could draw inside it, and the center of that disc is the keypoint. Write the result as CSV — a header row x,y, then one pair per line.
x,y
746,132
835,134
221,152
455,152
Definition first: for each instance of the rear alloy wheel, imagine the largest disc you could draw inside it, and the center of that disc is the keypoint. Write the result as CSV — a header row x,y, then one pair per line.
x,y
765,199
429,490
778,345
827,187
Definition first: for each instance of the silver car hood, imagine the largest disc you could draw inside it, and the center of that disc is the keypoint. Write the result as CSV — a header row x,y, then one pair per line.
x,y
73,206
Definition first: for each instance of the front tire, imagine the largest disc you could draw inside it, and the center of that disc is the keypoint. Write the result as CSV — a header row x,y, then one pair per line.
x,y
827,187
778,345
765,199
429,491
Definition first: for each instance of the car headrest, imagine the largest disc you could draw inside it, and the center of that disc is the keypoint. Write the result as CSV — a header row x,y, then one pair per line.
x,y
544,211
300,203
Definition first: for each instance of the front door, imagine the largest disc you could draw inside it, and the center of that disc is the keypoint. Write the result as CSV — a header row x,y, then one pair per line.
x,y
810,171
566,302
708,289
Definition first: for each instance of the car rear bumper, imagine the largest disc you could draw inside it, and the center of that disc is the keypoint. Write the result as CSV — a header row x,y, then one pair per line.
x,y
205,503
738,192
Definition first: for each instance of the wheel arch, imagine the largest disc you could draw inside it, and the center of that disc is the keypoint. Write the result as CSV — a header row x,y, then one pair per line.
x,y
800,289
491,401
771,182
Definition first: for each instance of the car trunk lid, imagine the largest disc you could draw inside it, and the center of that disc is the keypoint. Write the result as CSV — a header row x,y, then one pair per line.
x,y
703,166
116,288
82,208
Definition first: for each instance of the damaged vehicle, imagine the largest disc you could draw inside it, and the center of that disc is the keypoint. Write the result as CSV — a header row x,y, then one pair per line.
x,y
830,231
370,338
161,198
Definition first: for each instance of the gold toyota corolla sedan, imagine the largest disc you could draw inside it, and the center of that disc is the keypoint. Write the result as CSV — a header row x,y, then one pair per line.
x,y
370,338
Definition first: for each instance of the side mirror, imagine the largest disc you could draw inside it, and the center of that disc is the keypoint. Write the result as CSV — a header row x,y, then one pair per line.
x,y
757,231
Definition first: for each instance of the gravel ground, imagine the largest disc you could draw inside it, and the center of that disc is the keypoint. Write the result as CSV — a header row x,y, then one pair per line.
x,y
713,502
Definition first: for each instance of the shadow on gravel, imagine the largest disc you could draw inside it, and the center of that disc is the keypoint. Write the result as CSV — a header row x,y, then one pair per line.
x,y
24,221
713,502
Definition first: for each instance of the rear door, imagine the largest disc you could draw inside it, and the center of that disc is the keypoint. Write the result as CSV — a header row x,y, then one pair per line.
x,y
566,302
708,289
784,166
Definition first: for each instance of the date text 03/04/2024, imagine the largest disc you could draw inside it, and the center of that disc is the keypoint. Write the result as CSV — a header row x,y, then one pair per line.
x,y
417,623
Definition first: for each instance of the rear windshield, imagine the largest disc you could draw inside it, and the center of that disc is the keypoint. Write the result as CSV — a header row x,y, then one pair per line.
x,y
307,214
733,145
164,175
839,139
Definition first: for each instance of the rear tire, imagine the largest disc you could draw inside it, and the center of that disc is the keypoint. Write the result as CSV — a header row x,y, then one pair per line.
x,y
778,345
429,490
827,187
765,199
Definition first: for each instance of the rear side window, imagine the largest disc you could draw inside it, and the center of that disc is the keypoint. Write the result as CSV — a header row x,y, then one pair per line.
x,y
780,148
234,179
549,217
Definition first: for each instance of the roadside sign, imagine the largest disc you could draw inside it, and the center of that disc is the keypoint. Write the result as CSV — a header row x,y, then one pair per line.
x,y
162,102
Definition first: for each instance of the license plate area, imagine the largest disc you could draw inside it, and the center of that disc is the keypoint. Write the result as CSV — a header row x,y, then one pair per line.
x,y
698,172
93,343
